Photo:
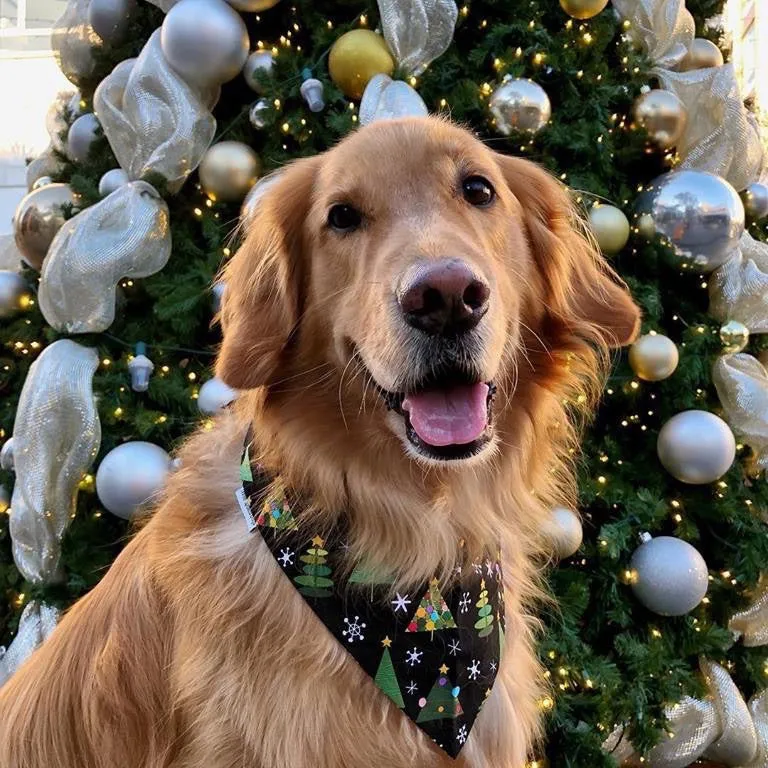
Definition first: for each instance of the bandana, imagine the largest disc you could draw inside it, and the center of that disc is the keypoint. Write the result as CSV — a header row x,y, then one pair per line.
x,y
433,651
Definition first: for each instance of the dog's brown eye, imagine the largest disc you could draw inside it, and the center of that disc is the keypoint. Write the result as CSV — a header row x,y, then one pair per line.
x,y
478,191
344,218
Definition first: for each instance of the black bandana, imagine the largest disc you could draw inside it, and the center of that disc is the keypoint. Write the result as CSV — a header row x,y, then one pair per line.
x,y
435,653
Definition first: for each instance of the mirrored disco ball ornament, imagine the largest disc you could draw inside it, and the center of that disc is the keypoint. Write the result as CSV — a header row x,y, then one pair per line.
x,y
111,181
668,575
755,198
14,293
696,447
257,62
698,214
654,357
215,395
520,105
130,475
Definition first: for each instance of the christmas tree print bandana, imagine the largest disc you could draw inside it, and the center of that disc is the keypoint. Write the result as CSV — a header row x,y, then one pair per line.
x,y
434,652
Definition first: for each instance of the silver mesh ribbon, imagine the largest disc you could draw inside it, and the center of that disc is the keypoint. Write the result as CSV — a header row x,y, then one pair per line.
x,y
758,708
742,386
751,624
56,436
72,40
739,289
37,622
127,234
418,31
155,122
664,27
10,256
385,98
720,137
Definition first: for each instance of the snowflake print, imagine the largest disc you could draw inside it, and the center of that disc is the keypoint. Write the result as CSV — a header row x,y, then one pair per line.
x,y
401,602
465,602
474,670
286,557
493,666
412,688
414,656
354,630
489,568
477,568
454,647
461,736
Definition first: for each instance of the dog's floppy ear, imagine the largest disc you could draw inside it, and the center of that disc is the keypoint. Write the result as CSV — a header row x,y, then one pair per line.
x,y
582,292
264,282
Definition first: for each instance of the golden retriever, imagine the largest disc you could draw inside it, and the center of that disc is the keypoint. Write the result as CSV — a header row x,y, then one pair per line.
x,y
385,291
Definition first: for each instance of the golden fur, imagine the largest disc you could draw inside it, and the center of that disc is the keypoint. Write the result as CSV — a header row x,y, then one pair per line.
x,y
194,651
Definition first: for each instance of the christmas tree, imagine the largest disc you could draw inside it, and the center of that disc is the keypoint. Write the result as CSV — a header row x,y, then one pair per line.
x,y
433,612
484,623
314,582
442,702
634,633
386,678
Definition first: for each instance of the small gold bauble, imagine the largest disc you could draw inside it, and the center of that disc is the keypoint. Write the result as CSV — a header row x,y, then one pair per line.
x,y
253,6
228,170
702,54
611,228
583,9
653,357
355,58
663,116
734,335
645,226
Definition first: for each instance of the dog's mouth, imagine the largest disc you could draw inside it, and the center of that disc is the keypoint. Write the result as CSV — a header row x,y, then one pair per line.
x,y
448,417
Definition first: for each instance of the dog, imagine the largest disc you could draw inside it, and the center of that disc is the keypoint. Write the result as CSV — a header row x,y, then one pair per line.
x,y
413,323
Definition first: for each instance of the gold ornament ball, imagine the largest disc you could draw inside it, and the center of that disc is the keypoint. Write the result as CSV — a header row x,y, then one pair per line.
x,y
355,58
663,116
583,9
253,6
611,228
734,335
38,217
654,357
701,55
228,170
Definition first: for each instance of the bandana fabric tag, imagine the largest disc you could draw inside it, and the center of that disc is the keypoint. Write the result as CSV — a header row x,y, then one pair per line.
x,y
434,652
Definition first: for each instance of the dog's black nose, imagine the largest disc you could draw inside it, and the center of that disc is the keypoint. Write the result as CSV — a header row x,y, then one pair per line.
x,y
443,297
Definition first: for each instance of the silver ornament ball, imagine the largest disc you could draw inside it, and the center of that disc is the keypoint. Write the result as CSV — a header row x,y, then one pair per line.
x,y
130,475
38,217
205,41
111,181
217,296
699,214
610,227
668,575
258,61
253,6
214,395
654,357
258,113
14,293
755,198
254,197
110,18
6,455
564,531
228,170
702,54
43,166
82,134
520,105
696,447
43,181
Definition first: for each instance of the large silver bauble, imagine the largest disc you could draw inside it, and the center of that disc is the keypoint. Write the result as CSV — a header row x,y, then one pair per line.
x,y
38,218
214,395
253,6
258,61
699,214
610,227
111,181
6,456
130,475
110,18
520,105
228,170
82,134
668,576
696,447
702,54
654,357
663,116
254,197
564,532
755,198
205,41
14,293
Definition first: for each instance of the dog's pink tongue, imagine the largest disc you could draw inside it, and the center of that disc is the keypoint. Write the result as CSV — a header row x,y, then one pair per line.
x,y
453,416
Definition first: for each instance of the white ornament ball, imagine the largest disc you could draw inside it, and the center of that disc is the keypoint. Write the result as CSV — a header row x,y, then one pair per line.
x,y
6,455
130,475
668,575
654,357
258,113
258,61
520,105
228,170
611,228
564,531
215,395
696,447
82,134
14,293
110,18
205,41
112,180
755,198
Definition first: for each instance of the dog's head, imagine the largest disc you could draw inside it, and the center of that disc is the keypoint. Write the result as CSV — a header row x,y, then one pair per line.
x,y
413,254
